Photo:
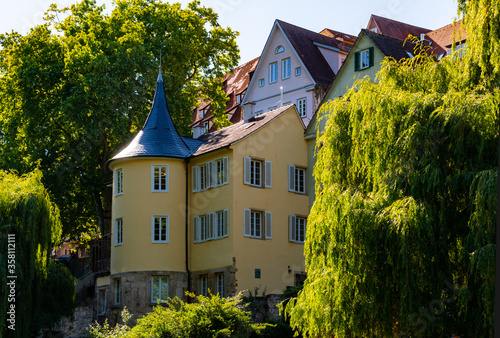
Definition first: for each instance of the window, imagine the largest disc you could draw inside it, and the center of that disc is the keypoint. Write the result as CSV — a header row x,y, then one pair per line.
x,y
118,291
220,284
285,63
159,289
159,178
298,71
102,302
279,49
296,179
297,229
118,181
272,108
261,82
210,174
206,127
258,113
204,285
119,231
253,174
159,229
254,221
273,72
210,226
301,107
363,59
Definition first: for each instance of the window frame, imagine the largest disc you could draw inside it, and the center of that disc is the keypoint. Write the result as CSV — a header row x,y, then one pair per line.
x,y
273,72
358,57
293,171
206,226
262,82
153,229
220,284
118,231
286,68
153,177
279,49
250,176
298,71
118,181
215,174
302,106
102,297
294,229
204,285
159,299
263,230
117,286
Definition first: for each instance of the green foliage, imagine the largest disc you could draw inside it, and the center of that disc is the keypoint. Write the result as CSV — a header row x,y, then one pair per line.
x,y
27,212
482,22
401,237
73,92
105,331
210,316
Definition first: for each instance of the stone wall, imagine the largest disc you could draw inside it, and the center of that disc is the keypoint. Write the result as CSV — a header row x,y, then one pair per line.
x,y
229,281
136,294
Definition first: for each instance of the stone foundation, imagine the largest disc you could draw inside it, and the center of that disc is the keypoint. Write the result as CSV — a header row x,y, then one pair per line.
x,y
229,289
136,294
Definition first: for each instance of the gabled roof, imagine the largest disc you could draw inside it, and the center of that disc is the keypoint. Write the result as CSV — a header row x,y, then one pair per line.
x,y
237,132
159,137
396,29
389,46
305,44
447,35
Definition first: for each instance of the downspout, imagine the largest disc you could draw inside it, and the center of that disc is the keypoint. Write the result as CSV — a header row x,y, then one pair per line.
x,y
189,286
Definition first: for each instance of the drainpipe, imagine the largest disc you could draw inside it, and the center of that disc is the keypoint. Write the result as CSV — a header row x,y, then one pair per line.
x,y
189,288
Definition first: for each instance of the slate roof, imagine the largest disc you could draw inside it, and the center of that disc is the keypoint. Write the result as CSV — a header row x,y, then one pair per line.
x,y
390,46
303,41
396,29
159,137
236,132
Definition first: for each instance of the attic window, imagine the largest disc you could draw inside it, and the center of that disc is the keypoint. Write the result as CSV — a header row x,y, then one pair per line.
x,y
279,49
363,59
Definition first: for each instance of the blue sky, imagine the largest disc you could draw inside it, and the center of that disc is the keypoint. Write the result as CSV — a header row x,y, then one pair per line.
x,y
254,18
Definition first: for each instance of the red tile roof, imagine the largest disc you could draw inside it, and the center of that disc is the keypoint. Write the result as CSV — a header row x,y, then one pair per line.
x,y
235,83
396,29
445,36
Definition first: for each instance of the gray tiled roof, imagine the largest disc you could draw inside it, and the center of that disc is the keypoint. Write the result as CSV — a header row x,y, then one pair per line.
x,y
303,42
159,137
236,132
390,46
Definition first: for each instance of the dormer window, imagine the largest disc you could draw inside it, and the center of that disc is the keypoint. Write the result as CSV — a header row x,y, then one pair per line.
x,y
279,49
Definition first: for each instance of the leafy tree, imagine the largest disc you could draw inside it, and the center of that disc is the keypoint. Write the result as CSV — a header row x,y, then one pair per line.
x,y
74,90
27,213
401,237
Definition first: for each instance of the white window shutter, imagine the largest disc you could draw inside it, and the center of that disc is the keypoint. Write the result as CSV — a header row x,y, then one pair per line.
x,y
246,222
246,170
197,229
291,228
166,178
269,173
213,176
167,229
291,177
225,170
269,225
211,225
194,173
226,222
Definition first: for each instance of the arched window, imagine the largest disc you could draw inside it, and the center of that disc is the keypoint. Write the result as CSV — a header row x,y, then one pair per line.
x,y
279,49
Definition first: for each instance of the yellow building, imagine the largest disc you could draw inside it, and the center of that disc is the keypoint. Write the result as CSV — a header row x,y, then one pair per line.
x,y
226,212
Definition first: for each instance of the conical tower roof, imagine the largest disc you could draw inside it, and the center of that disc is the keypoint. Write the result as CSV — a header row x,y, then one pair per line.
x,y
159,137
